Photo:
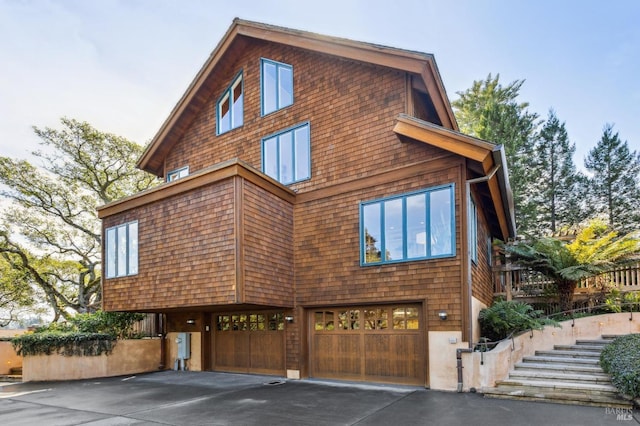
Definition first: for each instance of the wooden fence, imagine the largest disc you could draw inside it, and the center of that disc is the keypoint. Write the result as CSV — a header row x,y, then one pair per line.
x,y
147,327
512,281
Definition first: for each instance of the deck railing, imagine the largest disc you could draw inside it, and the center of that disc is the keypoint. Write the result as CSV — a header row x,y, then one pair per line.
x,y
512,281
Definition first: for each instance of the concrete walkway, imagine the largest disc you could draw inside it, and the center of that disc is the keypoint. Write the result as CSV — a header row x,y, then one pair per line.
x,y
204,398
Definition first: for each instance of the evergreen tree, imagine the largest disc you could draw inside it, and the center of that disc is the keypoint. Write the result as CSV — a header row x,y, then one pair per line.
x,y
492,112
557,203
614,187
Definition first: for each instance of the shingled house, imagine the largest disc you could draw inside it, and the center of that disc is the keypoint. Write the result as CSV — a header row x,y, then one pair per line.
x,y
322,215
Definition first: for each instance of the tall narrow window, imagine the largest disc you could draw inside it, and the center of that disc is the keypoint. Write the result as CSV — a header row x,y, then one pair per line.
x,y
286,155
231,107
121,250
277,86
473,230
419,225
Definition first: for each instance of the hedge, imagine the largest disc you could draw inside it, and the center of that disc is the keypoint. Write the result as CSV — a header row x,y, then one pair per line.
x,y
67,344
621,359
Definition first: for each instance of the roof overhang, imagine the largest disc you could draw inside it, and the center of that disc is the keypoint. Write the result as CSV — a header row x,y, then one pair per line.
x,y
421,65
489,156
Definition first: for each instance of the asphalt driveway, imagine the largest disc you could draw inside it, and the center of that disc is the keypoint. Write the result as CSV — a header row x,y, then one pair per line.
x,y
204,398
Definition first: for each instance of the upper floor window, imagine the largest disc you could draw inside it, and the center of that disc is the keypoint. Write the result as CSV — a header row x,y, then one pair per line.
x,y
231,107
418,225
277,85
177,174
122,250
286,156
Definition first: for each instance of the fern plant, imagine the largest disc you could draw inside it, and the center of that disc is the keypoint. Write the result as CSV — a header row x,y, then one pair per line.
x,y
594,251
506,317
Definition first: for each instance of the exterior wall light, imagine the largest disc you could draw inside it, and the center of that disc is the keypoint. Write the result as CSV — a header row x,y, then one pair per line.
x,y
442,315
288,318
191,321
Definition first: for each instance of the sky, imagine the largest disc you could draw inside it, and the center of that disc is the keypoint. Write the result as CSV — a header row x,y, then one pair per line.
x,y
122,65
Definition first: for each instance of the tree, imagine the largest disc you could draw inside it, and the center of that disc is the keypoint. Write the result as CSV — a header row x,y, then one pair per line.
x,y
14,297
492,112
595,250
50,235
556,180
615,191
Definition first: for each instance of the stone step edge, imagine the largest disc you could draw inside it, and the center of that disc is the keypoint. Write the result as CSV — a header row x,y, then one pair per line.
x,y
558,366
599,378
543,384
560,398
557,359
568,353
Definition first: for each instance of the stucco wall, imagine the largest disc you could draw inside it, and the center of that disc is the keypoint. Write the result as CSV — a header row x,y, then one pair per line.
x,y
127,357
8,357
483,370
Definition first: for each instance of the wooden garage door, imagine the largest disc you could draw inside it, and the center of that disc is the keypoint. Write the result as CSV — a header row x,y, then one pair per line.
x,y
374,343
249,342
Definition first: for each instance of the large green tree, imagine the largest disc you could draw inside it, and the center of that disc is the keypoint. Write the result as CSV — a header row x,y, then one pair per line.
x,y
615,182
50,234
556,182
490,111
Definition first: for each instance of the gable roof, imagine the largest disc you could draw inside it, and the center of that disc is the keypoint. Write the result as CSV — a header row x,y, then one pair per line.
x,y
422,65
489,158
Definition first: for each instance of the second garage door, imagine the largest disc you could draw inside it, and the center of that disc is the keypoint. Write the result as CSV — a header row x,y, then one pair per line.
x,y
369,343
249,342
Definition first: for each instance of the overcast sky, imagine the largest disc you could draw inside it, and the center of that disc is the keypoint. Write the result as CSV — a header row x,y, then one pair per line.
x,y
123,65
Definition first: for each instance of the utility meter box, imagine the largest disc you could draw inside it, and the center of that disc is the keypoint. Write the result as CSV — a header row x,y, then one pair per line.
x,y
184,345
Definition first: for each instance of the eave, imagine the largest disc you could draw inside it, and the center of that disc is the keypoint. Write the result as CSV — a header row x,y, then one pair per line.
x,y
421,65
486,154
210,175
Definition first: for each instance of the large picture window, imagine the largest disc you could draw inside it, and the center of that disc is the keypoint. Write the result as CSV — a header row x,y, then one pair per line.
x,y
121,250
286,156
230,107
418,225
277,85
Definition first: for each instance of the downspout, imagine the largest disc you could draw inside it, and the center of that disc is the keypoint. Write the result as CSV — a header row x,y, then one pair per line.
x,y
460,351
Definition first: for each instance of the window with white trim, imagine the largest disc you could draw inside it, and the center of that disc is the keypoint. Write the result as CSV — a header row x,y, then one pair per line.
x,y
230,107
177,174
413,226
121,250
277,85
286,156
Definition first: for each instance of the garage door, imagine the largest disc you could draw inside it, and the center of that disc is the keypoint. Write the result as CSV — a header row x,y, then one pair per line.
x,y
369,343
249,342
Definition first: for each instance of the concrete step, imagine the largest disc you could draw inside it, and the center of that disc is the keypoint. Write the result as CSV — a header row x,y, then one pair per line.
x,y
611,336
569,354
568,368
555,376
551,386
562,397
585,347
599,342
561,360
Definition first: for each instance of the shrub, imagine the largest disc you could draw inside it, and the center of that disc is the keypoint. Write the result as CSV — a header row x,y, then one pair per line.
x,y
506,317
67,344
84,335
621,359
118,324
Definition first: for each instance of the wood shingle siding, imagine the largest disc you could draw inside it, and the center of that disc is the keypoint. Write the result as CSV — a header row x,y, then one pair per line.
x,y
227,241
